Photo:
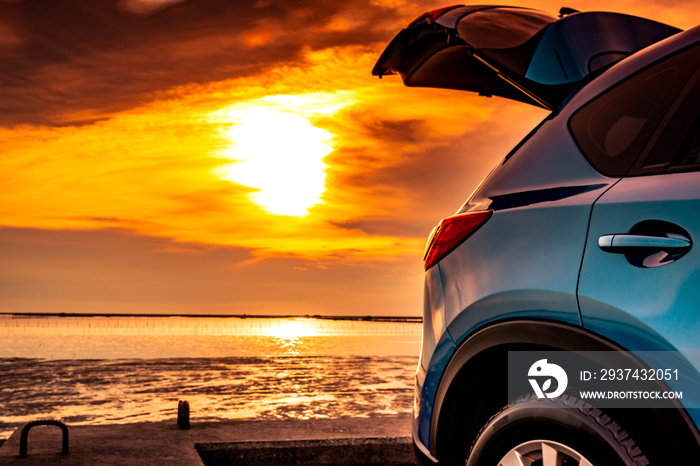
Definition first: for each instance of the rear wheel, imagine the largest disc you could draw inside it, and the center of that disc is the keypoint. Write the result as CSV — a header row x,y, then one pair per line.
x,y
544,452
561,432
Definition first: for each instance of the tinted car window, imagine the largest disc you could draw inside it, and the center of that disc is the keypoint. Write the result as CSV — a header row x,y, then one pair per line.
x,y
613,129
677,146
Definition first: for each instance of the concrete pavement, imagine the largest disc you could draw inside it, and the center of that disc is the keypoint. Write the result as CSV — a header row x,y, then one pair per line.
x,y
376,440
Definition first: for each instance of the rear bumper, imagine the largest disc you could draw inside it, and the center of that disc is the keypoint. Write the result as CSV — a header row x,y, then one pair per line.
x,y
423,456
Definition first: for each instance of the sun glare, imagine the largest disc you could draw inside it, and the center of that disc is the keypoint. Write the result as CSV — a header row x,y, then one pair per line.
x,y
292,329
280,154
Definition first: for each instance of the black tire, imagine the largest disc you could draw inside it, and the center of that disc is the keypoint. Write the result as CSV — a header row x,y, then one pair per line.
x,y
564,423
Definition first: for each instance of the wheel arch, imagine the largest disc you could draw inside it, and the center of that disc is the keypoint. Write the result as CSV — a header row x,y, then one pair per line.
x,y
472,389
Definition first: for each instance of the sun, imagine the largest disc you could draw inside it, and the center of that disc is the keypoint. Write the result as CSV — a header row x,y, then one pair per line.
x,y
291,329
280,154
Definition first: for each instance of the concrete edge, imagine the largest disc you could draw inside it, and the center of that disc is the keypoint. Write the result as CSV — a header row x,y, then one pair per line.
x,y
331,442
396,451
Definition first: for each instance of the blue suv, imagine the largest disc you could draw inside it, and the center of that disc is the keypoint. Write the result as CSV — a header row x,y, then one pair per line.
x,y
580,240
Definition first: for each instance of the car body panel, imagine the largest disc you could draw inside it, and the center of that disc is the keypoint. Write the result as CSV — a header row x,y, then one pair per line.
x,y
549,159
428,382
646,308
544,192
480,287
433,315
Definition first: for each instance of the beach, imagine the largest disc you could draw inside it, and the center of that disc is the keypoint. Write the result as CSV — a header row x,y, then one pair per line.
x,y
227,369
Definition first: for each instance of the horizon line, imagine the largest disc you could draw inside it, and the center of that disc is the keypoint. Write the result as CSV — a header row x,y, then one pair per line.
x,y
369,318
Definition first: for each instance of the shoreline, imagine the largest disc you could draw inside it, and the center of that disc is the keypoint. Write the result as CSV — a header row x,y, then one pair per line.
x,y
367,318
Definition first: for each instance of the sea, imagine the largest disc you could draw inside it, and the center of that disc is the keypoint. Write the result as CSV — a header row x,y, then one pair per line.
x,y
91,370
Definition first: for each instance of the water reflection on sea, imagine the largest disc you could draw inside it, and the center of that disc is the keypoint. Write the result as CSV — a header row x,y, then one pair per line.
x,y
99,370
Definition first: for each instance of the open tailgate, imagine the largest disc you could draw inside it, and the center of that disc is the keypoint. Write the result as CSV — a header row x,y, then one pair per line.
x,y
516,53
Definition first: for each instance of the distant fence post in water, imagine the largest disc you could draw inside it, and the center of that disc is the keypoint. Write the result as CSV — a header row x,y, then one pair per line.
x,y
183,414
44,422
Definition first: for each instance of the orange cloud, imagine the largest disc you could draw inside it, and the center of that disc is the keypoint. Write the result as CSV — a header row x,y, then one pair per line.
x,y
157,169
112,270
146,7
257,38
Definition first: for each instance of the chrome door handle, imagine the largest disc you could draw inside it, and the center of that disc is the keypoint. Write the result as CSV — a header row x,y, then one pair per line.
x,y
620,243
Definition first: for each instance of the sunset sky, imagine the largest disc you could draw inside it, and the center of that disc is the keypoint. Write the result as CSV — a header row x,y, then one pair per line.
x,y
224,157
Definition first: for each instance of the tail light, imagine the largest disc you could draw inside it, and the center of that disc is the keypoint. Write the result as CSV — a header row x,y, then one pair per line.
x,y
450,233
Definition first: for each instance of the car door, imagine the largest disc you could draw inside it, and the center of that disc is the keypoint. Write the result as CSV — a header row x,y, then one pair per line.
x,y
639,284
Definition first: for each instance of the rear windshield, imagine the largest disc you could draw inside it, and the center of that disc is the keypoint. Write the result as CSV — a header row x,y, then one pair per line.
x,y
501,28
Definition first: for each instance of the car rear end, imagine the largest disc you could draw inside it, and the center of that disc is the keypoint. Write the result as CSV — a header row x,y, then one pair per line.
x,y
510,258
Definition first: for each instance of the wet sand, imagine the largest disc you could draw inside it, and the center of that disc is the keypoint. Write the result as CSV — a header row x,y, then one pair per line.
x,y
106,392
